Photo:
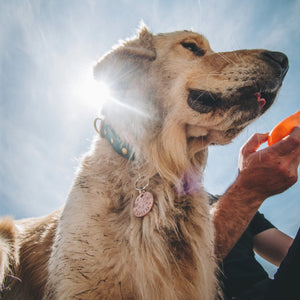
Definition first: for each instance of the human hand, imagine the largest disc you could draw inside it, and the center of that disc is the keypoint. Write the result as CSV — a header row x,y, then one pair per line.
x,y
271,170
262,173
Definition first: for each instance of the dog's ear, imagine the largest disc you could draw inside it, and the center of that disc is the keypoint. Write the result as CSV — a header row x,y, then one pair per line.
x,y
118,67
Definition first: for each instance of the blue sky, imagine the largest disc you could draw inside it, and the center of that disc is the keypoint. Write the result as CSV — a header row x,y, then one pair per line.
x,y
48,100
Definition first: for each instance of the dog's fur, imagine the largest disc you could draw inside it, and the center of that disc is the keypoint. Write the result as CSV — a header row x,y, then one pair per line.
x,y
172,97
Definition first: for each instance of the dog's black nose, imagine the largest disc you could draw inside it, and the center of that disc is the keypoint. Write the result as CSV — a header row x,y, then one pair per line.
x,y
279,58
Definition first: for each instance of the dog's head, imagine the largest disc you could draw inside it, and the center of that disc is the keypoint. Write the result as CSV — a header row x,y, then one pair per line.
x,y
189,96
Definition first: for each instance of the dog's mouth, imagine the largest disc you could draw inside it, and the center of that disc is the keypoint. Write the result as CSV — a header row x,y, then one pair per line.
x,y
256,99
245,99
233,112
261,101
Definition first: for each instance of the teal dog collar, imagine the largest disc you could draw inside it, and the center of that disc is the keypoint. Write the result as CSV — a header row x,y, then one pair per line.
x,y
105,131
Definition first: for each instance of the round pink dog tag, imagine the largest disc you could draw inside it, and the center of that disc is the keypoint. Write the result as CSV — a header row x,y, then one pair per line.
x,y
143,204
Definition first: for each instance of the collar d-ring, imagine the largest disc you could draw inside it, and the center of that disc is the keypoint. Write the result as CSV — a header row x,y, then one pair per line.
x,y
98,119
139,180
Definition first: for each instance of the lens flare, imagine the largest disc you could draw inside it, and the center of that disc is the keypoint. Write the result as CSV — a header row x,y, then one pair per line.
x,y
85,92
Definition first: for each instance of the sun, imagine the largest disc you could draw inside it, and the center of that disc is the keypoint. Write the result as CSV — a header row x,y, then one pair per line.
x,y
87,93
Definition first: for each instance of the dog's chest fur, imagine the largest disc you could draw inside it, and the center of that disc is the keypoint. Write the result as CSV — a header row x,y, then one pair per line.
x,y
111,254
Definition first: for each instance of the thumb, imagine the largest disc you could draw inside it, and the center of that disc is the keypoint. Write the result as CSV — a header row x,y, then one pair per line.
x,y
289,144
254,142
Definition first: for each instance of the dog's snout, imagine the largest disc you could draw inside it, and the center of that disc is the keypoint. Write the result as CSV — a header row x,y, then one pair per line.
x,y
278,57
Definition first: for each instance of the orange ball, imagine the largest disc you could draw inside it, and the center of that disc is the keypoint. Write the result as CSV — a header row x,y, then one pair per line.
x,y
284,128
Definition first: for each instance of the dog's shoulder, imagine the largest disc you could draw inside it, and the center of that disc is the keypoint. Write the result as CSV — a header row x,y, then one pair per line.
x,y
8,247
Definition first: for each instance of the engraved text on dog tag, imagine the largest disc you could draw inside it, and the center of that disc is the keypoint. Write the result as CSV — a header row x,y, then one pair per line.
x,y
143,204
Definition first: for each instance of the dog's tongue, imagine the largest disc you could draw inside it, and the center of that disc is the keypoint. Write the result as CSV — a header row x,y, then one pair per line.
x,y
260,100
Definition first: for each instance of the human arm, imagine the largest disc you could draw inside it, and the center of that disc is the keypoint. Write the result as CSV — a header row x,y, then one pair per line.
x,y
272,245
261,174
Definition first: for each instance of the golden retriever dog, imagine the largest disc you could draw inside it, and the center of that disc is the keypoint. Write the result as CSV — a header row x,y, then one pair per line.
x,y
137,223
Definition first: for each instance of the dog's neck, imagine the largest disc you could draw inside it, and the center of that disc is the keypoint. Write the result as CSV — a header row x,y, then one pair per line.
x,y
188,183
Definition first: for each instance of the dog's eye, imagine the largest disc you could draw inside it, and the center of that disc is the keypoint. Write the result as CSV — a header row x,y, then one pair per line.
x,y
194,48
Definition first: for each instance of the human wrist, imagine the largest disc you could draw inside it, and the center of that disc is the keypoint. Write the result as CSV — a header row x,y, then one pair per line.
x,y
232,213
247,188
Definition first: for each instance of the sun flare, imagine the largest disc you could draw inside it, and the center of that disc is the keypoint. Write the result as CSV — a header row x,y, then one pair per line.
x,y
88,93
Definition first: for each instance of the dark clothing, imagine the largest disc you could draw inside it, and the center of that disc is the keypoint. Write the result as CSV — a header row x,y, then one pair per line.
x,y
245,279
286,281
241,270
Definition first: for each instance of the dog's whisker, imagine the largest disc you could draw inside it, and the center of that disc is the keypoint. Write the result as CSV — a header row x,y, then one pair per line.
x,y
212,74
227,59
239,57
119,77
212,96
131,108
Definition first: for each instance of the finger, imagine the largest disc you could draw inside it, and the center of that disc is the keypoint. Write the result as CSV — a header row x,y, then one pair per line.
x,y
290,144
296,132
254,142
294,165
